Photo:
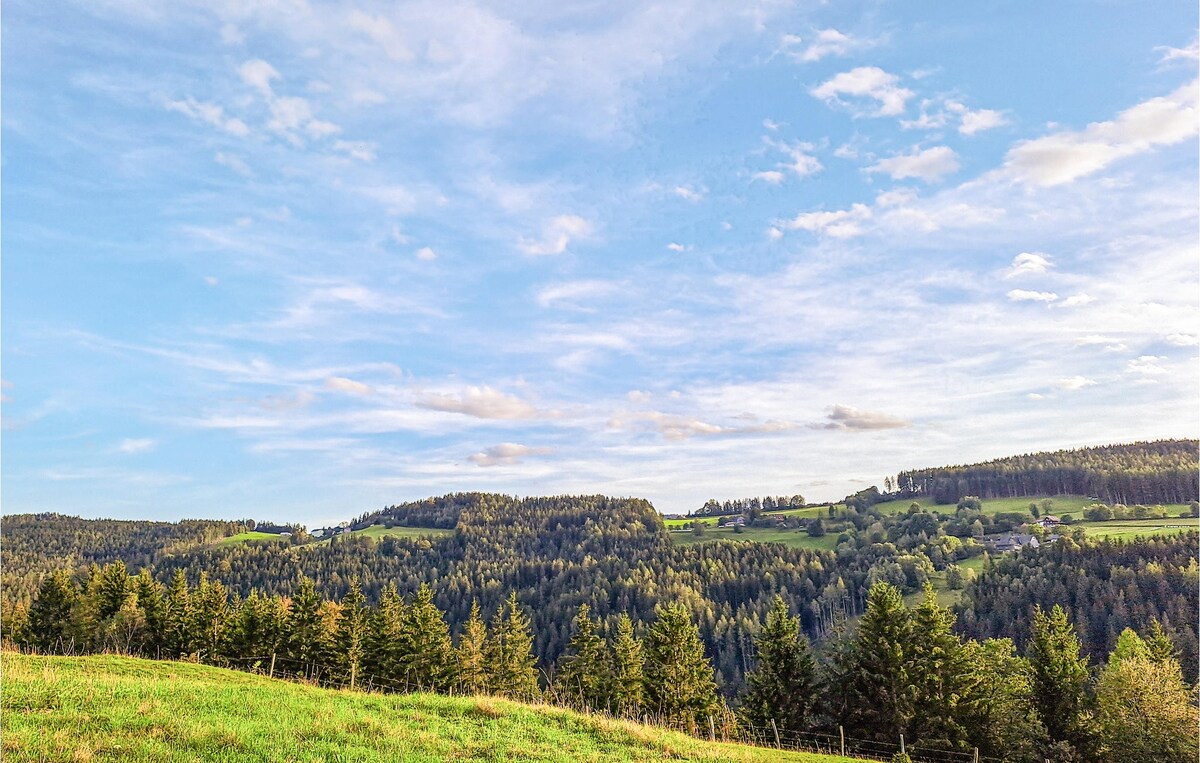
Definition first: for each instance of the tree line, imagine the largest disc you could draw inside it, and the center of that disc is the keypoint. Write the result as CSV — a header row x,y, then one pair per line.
x,y
895,671
1164,471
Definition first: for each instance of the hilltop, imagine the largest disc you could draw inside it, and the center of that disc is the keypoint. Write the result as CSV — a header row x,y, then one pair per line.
x,y
122,708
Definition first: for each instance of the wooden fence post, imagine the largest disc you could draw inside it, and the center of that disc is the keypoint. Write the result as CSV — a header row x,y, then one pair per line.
x,y
842,736
712,730
902,744
272,673
776,730
975,757
353,673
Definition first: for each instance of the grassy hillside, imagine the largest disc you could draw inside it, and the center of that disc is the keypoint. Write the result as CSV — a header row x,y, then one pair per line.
x,y
379,532
108,708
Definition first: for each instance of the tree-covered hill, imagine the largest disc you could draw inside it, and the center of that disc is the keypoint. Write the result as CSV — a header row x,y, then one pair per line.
x,y
1164,471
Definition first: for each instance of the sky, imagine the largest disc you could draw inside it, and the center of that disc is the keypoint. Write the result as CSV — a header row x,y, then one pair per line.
x,y
297,261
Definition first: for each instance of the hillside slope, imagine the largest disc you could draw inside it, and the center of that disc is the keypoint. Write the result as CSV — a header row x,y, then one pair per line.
x,y
121,708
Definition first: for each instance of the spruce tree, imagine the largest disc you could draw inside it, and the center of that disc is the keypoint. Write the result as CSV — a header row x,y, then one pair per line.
x,y
679,677
210,616
52,627
428,653
177,617
472,663
307,644
112,590
584,676
936,670
870,673
257,628
1159,645
353,626
1060,681
628,680
512,666
782,685
150,601
384,639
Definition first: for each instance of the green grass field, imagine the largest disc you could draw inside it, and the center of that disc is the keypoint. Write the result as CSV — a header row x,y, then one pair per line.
x,y
108,708
1131,528
793,538
379,532
247,537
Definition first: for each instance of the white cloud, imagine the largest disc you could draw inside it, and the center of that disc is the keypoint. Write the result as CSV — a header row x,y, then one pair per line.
x,y
480,402
843,417
928,165
841,223
869,82
771,125
362,150
1077,300
557,235
258,74
1182,340
1110,343
689,194
938,113
1028,263
234,163
426,253
1146,365
1073,383
800,161
978,121
210,113
676,427
506,454
1065,156
674,247
574,292
1024,295
342,384
211,280
772,177
136,445
826,42
1190,53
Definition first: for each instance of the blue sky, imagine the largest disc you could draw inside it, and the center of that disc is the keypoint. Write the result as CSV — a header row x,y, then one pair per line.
x,y
296,261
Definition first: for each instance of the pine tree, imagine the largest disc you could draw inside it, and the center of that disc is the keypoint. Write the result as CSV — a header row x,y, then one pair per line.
x,y
782,686
936,671
210,617
679,677
512,667
472,663
257,627
1159,645
870,675
1143,708
428,653
177,617
584,676
628,681
112,590
384,639
353,625
1060,680
52,627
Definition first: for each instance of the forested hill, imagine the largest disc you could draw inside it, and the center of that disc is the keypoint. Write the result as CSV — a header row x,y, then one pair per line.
x,y
1164,471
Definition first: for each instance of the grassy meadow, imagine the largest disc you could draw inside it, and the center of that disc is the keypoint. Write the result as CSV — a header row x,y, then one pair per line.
x,y
109,708
247,537
379,532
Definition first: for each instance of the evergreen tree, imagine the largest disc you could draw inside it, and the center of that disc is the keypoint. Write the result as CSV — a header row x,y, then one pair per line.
x,y
257,627
628,681
150,601
870,675
428,653
782,685
210,616
1060,680
385,638
353,626
679,677
472,663
996,707
512,667
52,627
584,676
177,617
937,672
1159,645
1143,709
112,590
307,645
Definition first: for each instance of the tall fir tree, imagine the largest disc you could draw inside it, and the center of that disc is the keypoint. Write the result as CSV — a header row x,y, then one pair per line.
x,y
428,653
177,617
470,655
1060,683
782,686
150,601
353,627
872,690
384,642
210,617
584,676
679,677
52,627
628,680
512,666
937,670
307,646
